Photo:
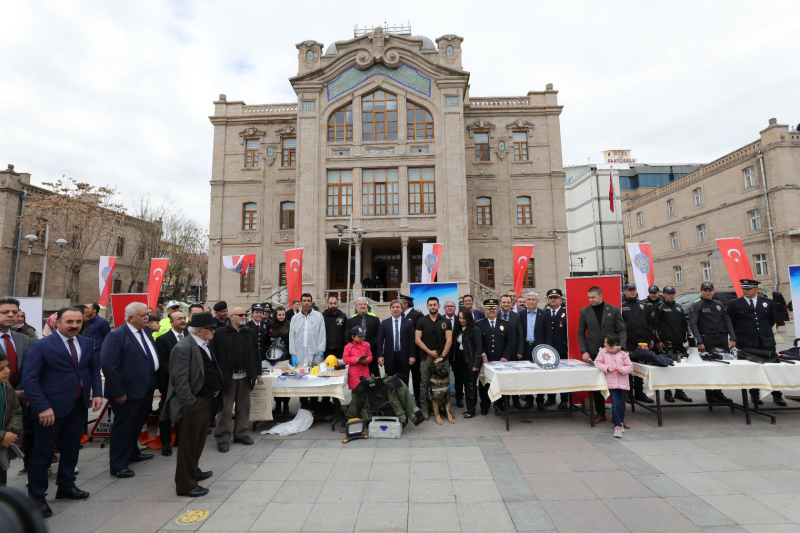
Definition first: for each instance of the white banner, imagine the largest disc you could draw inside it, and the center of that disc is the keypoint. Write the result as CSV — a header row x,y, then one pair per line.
x,y
32,307
431,256
642,266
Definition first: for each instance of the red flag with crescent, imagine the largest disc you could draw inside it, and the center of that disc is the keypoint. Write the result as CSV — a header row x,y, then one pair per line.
x,y
294,273
522,254
736,261
158,269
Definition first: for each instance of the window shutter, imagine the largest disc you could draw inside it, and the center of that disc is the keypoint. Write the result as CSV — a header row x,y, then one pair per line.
x,y
520,137
481,138
290,143
252,144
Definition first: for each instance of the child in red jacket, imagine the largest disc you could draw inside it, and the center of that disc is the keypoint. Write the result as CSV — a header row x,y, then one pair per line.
x,y
616,365
358,355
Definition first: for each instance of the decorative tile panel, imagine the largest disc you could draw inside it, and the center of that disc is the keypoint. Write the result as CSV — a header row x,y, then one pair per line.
x,y
309,105
404,75
451,101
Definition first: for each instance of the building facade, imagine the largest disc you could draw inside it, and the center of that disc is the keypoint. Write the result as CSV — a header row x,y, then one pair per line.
x,y
384,130
751,193
639,179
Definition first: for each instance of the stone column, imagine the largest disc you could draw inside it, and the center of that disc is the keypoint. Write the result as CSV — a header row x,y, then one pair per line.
x,y
404,248
357,284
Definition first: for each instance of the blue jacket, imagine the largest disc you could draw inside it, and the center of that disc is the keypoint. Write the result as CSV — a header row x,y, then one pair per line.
x,y
385,342
97,329
50,379
125,364
539,328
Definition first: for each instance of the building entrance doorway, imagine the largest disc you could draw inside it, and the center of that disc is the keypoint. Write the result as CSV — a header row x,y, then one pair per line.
x,y
387,273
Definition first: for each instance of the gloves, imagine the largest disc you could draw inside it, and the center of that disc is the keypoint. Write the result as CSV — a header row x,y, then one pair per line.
x,y
294,360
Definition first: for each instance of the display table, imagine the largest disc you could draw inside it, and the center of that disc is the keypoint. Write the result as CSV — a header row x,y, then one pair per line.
x,y
523,377
311,386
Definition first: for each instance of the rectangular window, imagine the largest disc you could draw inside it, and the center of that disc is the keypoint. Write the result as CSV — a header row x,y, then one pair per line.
x,y
282,275
249,216
749,177
524,214
705,270
120,246
760,261
755,219
640,219
520,146
673,238
340,193
247,281
379,116
421,191
678,274
481,147
380,191
530,275
288,152
671,207
251,153
140,253
702,234
698,196
35,284
287,215
484,211
486,270
140,286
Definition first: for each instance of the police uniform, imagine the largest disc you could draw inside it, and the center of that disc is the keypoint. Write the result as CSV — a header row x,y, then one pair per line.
x,y
650,302
555,324
639,326
262,332
495,344
711,326
671,328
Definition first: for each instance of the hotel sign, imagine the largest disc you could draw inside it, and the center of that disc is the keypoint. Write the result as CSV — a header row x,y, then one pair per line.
x,y
613,157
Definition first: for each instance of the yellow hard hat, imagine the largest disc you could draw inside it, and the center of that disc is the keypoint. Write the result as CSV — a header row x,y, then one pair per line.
x,y
331,361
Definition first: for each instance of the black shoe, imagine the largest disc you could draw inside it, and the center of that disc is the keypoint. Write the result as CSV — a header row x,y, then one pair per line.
x,y
73,493
518,405
460,404
710,398
205,475
223,447
142,457
642,397
246,440
44,508
498,411
528,405
779,401
484,412
756,401
286,408
124,473
668,397
549,402
539,405
680,395
721,397
166,451
195,492
562,406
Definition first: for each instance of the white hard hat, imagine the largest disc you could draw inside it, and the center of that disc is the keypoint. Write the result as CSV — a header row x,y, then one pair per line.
x,y
173,303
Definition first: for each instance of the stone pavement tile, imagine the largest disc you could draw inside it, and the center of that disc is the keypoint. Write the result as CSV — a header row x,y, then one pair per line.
x,y
282,517
172,526
464,454
749,482
271,471
234,516
296,444
476,490
787,504
332,517
613,449
142,516
389,471
750,460
428,455
724,529
609,485
342,492
298,491
529,516
787,479
773,528
394,443
239,472
671,464
533,462
322,455
662,485
470,471
710,462
437,470
651,515
460,442
580,517
427,443
219,491
485,516
392,455
133,490
495,452
703,484
431,491
382,517
329,444
255,491
547,443
698,511
733,444
433,517
635,465
505,470
744,510
287,455
86,516
92,486
356,455
588,461
515,490
311,471
395,491
559,486
351,471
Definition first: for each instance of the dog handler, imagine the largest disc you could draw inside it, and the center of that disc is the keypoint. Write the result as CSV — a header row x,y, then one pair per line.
x,y
434,337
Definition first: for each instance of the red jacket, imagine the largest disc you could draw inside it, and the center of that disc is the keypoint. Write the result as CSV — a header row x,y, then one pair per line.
x,y
351,354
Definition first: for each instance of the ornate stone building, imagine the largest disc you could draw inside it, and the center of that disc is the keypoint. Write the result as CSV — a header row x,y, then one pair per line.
x,y
384,129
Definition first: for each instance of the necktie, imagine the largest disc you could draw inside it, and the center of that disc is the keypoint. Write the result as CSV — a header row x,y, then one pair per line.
x,y
364,324
396,335
12,358
752,305
148,352
74,353
492,324
505,316
180,336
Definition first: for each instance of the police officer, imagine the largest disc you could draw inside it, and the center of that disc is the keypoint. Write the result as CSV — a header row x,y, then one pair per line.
x,y
495,345
640,330
671,330
261,327
753,317
711,327
555,324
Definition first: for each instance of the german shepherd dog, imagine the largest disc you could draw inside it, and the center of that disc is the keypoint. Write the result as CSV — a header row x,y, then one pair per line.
x,y
440,391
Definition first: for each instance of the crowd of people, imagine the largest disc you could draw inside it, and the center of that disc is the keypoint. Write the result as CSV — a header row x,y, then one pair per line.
x,y
205,363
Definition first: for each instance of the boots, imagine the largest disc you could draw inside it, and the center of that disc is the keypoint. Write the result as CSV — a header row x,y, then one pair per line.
x,y
680,395
668,396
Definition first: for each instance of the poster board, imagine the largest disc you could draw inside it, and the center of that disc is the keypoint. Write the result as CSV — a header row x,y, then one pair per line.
x,y
420,292
33,309
120,301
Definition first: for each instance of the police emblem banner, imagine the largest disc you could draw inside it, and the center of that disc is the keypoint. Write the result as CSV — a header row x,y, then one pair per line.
x,y
239,263
522,255
105,276
735,258
642,266
431,257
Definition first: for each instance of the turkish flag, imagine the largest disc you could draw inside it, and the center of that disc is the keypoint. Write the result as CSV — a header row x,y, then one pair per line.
x,y
294,273
611,189
522,254
736,261
158,268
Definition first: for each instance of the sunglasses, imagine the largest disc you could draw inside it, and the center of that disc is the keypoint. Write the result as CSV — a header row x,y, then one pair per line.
x,y
239,314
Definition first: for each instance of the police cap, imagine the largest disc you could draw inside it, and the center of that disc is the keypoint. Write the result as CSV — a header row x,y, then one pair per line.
x,y
749,283
653,289
491,303
669,289
629,287
706,285
555,292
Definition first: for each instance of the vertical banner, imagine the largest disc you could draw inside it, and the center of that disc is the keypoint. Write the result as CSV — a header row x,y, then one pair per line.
x,y
105,277
120,301
294,273
794,284
431,256
642,265
158,267
736,262
522,255
34,311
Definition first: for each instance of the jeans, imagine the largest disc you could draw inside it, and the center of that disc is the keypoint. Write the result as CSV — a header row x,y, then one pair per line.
x,y
618,405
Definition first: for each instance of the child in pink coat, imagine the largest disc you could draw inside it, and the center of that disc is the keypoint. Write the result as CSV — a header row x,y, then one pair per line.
x,y
358,355
616,365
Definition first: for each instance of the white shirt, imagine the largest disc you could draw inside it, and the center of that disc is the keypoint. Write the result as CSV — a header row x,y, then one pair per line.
x,y
138,337
66,343
176,334
203,345
754,300
554,312
452,320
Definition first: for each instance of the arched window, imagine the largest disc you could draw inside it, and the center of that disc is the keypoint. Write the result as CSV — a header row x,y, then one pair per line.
x,y
484,211
420,122
287,215
524,211
379,116
340,125
249,216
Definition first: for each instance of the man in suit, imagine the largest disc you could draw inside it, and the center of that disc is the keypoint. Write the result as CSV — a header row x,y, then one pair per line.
x,y
413,315
597,320
457,363
95,327
370,324
469,303
555,320
130,362
395,344
15,346
61,380
195,381
753,318
532,333
164,345
496,345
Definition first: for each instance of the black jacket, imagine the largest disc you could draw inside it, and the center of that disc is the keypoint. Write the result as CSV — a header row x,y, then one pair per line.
x,y
753,328
495,343
471,354
262,332
335,329
373,324
638,322
164,345
556,330
229,343
671,323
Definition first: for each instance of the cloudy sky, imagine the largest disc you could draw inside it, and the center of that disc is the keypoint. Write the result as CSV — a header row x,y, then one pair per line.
x,y
119,93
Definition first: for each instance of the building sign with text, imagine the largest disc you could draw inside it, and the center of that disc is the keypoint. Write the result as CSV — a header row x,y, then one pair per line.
x,y
613,157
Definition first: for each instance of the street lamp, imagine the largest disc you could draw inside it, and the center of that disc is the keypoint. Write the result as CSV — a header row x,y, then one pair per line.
x,y
350,240
61,243
32,239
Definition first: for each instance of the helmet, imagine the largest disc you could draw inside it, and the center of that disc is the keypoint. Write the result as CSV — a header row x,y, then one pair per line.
x,y
331,361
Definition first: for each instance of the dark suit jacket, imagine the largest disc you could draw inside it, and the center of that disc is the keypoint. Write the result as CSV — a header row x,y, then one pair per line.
x,y
514,335
164,345
495,343
125,364
753,328
539,329
22,343
385,341
371,335
477,314
556,330
591,335
50,380
187,376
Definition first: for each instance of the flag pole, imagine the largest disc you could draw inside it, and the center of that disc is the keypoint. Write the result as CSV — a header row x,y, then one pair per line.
x,y
623,270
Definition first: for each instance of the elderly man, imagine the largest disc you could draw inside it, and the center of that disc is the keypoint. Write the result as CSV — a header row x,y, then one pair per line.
x,y
236,348
164,345
130,363
195,380
370,324
220,313
433,337
532,333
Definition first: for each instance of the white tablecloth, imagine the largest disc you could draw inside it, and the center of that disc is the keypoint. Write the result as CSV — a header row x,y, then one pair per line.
x,y
312,386
735,376
526,378
783,376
